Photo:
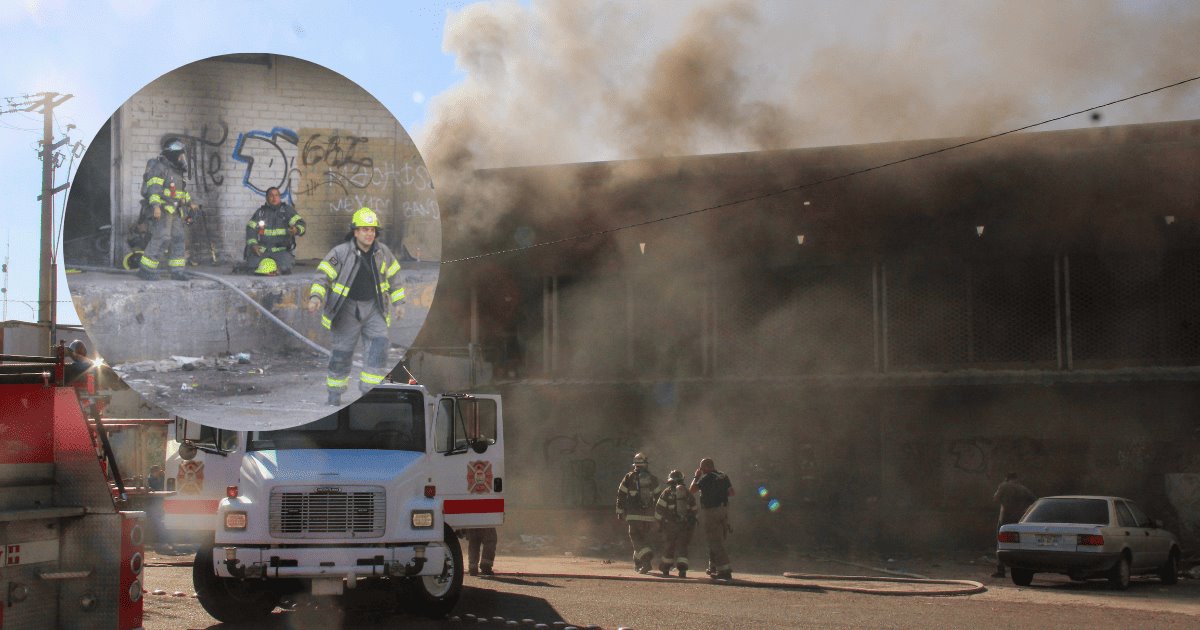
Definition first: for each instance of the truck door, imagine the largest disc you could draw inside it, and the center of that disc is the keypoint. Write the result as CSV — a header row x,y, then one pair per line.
x,y
200,462
468,459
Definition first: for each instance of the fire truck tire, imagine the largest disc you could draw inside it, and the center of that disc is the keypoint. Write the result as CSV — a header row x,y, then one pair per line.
x,y
227,599
435,596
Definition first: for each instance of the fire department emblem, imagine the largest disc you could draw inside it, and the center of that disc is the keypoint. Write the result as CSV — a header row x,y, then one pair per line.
x,y
191,477
479,477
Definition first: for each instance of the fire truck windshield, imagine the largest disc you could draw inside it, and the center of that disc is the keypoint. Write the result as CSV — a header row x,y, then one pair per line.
x,y
393,420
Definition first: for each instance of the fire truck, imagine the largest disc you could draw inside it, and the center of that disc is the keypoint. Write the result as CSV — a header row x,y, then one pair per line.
x,y
363,505
69,557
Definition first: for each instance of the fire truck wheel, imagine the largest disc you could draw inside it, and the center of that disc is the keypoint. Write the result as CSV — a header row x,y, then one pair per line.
x,y
435,596
227,599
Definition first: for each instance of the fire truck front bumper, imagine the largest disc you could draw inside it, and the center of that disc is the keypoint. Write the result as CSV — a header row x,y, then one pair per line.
x,y
347,563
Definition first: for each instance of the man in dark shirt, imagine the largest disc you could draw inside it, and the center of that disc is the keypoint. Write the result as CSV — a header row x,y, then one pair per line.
x,y
715,489
1014,499
80,363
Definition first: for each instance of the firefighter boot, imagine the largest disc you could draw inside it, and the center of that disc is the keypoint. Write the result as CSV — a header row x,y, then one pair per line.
x,y
335,399
146,274
666,570
178,275
473,571
486,569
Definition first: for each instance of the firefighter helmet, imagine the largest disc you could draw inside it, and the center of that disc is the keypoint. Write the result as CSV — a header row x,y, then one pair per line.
x,y
675,476
365,217
267,267
639,459
173,150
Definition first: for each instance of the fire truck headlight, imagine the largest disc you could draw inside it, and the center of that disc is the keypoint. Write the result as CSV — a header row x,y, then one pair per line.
x,y
135,591
422,519
235,520
135,563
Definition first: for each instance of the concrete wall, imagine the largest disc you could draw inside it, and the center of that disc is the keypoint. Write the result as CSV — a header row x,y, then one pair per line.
x,y
255,121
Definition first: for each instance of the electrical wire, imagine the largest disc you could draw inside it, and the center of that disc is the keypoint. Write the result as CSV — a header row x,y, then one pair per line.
x,y
817,182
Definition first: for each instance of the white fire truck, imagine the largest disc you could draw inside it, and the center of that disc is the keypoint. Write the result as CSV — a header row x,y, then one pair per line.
x,y
365,503
69,558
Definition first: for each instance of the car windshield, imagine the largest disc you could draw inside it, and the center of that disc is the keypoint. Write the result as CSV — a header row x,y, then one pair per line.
x,y
1077,511
381,420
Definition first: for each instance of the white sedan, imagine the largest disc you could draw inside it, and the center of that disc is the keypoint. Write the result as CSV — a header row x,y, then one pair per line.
x,y
1085,537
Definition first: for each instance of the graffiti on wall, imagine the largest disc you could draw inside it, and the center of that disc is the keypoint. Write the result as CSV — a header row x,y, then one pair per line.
x,y
203,154
270,158
980,455
586,468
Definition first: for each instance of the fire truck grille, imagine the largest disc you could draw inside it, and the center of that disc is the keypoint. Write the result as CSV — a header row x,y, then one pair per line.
x,y
357,512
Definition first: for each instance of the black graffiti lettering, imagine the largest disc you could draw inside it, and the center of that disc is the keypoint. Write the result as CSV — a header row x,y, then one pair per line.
x,y
334,151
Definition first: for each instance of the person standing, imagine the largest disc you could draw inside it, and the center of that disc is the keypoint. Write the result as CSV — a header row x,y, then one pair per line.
x,y
675,512
715,489
635,505
165,203
1014,498
481,539
355,283
271,236
80,363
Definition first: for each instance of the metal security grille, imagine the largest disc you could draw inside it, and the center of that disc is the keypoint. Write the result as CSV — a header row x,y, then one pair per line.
x,y
1115,303
928,314
319,513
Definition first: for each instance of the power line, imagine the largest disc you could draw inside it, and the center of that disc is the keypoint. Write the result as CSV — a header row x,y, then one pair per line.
x,y
819,182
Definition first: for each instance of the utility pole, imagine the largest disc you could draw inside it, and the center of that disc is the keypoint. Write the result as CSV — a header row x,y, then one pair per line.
x,y
44,103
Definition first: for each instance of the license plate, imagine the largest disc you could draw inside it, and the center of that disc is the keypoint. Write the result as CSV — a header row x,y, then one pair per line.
x,y
1046,539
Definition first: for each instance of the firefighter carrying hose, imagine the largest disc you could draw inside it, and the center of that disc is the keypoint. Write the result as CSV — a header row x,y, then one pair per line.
x,y
635,505
355,283
165,204
675,512
271,236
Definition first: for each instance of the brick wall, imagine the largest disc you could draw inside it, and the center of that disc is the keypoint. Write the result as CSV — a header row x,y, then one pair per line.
x,y
251,122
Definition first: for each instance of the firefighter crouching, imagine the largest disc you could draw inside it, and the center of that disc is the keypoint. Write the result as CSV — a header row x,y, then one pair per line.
x,y
271,236
165,203
675,512
635,505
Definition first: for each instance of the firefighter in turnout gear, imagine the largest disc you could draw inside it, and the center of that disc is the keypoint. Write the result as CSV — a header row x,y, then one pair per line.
x,y
165,204
675,512
354,282
715,489
271,236
635,505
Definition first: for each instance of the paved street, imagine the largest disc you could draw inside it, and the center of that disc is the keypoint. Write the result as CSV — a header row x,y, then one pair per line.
x,y
586,592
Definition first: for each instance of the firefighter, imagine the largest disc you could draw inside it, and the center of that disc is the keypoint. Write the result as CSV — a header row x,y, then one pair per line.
x,y
271,236
354,282
635,506
481,539
80,363
715,489
675,512
165,203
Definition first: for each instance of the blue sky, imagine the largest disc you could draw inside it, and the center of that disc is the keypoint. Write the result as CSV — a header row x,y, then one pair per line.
x,y
546,81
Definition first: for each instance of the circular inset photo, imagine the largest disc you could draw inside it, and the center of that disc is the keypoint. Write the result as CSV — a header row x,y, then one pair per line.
x,y
252,241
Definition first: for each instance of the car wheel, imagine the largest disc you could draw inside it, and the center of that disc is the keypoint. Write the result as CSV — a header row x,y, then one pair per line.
x,y
1169,572
1118,576
1022,577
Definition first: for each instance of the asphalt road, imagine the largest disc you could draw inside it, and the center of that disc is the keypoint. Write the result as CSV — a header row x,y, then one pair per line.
x,y
585,592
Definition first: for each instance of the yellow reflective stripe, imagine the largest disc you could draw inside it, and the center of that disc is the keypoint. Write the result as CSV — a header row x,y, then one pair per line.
x,y
328,269
294,219
169,208
154,181
149,263
336,383
155,198
278,249
637,517
251,224
341,289
326,322
316,289
176,262
300,229
370,379
275,232
252,241
398,295
394,269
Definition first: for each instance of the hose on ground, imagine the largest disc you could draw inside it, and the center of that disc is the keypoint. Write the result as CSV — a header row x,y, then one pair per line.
x,y
271,316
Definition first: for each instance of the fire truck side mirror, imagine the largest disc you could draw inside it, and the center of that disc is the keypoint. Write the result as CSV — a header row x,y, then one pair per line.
x,y
187,451
479,445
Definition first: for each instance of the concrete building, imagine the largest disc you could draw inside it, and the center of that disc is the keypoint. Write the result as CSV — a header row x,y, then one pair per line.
x,y
873,351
